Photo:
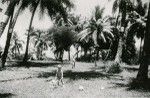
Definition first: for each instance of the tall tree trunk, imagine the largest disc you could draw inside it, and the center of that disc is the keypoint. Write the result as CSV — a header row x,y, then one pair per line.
x,y
97,54
69,54
140,51
119,51
143,69
25,59
118,58
9,34
85,52
117,20
77,52
38,53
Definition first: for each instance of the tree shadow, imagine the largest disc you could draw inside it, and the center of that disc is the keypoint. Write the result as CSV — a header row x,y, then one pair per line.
x,y
32,63
131,69
86,75
134,84
6,95
118,85
9,80
72,75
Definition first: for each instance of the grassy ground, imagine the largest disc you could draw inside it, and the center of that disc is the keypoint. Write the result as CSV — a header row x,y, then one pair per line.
x,y
35,82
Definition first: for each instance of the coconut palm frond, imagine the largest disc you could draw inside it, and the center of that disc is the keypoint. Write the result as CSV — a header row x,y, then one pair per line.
x,y
103,37
83,34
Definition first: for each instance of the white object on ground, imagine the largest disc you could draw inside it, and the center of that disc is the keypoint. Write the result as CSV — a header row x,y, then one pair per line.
x,y
102,88
81,88
54,82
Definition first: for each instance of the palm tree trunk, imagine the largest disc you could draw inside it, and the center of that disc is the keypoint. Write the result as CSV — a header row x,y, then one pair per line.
x,y
28,36
85,52
143,69
61,55
121,41
119,51
77,52
117,18
97,54
9,34
69,54
18,49
38,55
117,21
140,52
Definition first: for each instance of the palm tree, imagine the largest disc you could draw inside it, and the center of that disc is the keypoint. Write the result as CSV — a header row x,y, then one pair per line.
x,y
16,44
124,6
143,69
137,28
40,42
99,29
52,6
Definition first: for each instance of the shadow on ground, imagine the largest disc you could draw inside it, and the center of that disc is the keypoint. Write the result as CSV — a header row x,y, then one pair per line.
x,y
9,80
134,84
6,95
33,63
139,85
78,75
130,69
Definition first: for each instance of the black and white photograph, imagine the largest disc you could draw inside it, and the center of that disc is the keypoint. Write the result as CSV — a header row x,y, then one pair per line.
x,y
74,48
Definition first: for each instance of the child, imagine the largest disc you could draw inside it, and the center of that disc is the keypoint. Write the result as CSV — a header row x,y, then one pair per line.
x,y
59,75
73,63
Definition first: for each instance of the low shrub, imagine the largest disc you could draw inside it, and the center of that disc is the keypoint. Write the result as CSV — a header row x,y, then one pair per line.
x,y
112,67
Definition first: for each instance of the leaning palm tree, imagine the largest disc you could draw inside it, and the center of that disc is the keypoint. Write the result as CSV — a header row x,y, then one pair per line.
x,y
52,6
13,19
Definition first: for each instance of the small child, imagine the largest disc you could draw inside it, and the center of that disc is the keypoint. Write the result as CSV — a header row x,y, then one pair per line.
x,y
59,75
73,63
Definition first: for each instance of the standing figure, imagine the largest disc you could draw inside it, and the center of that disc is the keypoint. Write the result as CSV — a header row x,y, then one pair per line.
x,y
59,75
73,63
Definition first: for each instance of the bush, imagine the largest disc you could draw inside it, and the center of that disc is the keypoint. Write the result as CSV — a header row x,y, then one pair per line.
x,y
87,58
112,67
